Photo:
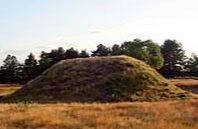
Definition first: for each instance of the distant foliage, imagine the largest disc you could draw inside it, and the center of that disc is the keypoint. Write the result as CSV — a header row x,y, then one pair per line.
x,y
169,59
147,51
116,50
84,54
11,71
174,58
45,61
192,65
71,53
57,54
101,51
30,68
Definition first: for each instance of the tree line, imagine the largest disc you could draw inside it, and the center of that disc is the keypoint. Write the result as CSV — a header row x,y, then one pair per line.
x,y
169,59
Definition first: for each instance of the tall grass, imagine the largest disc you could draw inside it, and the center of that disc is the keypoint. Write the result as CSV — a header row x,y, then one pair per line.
x,y
157,115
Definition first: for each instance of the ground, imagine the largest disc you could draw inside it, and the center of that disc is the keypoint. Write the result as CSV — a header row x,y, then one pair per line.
x,y
6,89
187,84
156,115
138,115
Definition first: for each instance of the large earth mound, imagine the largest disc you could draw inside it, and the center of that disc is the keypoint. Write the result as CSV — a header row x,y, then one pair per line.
x,y
99,79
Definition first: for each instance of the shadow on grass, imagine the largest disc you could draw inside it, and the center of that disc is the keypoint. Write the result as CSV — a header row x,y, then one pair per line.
x,y
193,89
3,101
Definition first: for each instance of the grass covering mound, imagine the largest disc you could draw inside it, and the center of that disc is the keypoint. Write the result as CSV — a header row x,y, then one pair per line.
x,y
99,79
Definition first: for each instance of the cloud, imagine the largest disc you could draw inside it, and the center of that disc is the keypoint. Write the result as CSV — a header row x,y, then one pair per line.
x,y
95,32
14,52
41,47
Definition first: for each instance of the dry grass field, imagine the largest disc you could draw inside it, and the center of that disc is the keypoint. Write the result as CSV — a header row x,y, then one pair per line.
x,y
187,84
156,115
6,89
138,115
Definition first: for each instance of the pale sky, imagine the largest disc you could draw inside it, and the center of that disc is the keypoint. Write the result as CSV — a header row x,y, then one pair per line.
x,y
35,25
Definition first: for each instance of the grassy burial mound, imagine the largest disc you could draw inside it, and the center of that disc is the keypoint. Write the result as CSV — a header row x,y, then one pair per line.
x,y
99,79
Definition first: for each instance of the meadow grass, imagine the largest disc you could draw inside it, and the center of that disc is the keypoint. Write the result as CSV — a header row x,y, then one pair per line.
x,y
139,115
188,84
6,89
185,82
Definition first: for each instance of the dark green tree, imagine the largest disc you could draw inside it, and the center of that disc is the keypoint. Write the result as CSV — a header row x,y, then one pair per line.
x,y
101,51
84,54
45,61
192,65
71,53
116,50
30,68
174,58
57,54
11,71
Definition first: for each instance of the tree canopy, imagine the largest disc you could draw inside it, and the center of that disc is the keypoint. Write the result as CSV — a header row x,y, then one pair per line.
x,y
174,58
169,59
147,51
11,70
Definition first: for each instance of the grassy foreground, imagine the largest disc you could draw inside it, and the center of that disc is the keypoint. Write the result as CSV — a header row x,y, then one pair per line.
x,y
140,115
156,115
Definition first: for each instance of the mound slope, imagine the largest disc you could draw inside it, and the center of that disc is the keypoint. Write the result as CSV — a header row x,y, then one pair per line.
x,y
103,79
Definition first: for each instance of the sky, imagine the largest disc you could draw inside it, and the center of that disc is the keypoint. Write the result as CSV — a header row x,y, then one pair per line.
x,y
36,25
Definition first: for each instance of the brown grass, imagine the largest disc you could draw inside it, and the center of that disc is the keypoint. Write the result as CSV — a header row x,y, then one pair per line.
x,y
156,115
186,84
139,115
6,89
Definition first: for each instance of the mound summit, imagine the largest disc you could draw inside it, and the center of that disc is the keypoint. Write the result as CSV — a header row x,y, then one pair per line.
x,y
99,79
